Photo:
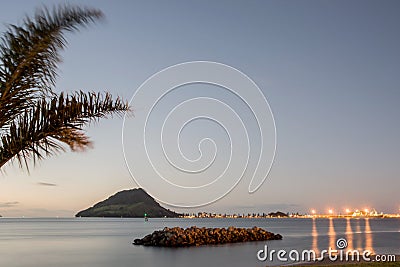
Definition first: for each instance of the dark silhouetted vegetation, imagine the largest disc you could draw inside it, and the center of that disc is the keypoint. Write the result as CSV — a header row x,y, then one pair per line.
x,y
36,122
133,203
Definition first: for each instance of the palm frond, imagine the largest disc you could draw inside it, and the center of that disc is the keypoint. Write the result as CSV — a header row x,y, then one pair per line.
x,y
54,124
30,54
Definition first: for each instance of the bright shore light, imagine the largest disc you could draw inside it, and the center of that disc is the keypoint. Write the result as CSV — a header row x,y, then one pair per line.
x,y
313,211
347,210
330,211
366,210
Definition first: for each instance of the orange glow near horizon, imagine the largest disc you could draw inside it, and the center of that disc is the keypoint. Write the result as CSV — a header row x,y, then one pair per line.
x,y
330,211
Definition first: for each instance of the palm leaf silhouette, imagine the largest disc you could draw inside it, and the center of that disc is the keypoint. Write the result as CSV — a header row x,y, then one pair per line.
x,y
34,121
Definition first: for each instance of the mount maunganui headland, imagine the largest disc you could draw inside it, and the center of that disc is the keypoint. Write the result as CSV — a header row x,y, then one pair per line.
x,y
134,203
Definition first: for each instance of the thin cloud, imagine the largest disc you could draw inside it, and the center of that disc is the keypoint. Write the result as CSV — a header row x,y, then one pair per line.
x,y
46,184
8,204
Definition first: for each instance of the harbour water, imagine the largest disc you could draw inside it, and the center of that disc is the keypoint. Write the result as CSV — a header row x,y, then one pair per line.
x,y
105,242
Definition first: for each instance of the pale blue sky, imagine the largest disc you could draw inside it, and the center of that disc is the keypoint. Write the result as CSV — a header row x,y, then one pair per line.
x,y
329,69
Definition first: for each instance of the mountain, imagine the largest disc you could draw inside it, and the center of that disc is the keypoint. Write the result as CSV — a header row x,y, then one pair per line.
x,y
134,203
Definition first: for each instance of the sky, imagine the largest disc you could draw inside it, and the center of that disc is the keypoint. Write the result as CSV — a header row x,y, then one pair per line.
x,y
329,70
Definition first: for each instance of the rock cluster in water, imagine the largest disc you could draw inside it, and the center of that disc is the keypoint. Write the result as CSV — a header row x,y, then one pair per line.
x,y
194,236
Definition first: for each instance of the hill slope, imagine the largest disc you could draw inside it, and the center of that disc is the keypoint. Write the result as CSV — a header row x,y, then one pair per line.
x,y
132,203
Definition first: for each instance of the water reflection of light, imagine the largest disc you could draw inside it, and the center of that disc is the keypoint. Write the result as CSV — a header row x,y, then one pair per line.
x,y
358,231
314,234
349,234
368,236
332,234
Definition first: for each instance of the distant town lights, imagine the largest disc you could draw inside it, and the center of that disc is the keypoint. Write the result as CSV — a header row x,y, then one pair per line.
x,y
349,213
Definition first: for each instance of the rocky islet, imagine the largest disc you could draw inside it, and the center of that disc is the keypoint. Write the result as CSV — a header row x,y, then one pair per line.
x,y
195,236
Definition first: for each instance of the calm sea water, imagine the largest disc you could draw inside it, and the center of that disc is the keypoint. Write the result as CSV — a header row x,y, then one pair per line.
x,y
100,242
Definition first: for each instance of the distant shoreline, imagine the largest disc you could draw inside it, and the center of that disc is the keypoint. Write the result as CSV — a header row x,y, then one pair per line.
x,y
386,216
191,218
